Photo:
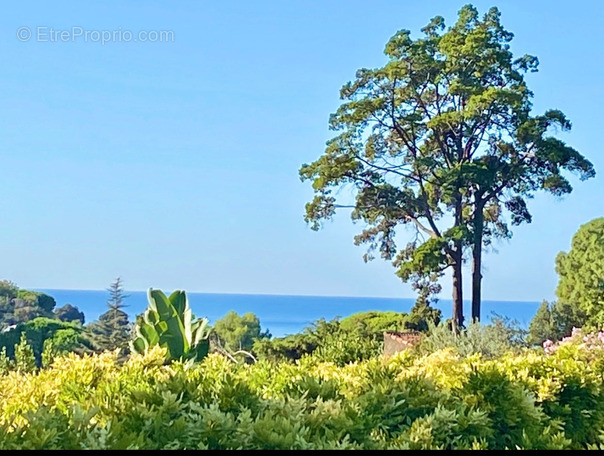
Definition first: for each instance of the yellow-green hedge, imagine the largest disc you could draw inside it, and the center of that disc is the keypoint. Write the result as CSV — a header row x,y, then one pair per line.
x,y
531,400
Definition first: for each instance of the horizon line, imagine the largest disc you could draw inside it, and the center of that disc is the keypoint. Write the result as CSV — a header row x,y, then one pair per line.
x,y
288,295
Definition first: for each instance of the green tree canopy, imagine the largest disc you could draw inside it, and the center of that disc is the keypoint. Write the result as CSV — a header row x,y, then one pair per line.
x,y
441,140
374,321
35,298
8,291
18,306
581,272
238,332
422,315
67,336
554,321
69,313
112,330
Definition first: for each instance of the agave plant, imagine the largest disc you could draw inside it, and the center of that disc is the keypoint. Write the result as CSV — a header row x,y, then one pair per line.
x,y
168,322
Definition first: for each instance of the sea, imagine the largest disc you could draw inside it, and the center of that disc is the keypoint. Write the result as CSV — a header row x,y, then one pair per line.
x,y
282,314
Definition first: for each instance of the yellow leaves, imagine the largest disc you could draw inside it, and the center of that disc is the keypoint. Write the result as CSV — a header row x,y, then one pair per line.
x,y
330,400
401,359
352,378
444,367
22,392
155,356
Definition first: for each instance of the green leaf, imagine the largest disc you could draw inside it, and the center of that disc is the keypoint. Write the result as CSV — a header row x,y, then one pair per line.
x,y
139,345
178,299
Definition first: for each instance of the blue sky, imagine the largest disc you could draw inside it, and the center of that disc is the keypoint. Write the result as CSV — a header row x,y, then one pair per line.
x,y
175,164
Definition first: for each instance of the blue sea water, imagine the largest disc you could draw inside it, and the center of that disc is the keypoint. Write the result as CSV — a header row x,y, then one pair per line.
x,y
279,313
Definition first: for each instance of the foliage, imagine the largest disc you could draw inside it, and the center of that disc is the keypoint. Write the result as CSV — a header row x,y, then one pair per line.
x,y
5,362
542,325
554,321
8,291
441,139
581,271
423,313
69,313
355,338
421,316
291,347
374,322
579,408
341,346
18,306
169,323
577,338
528,400
238,332
112,330
25,361
48,353
580,288
66,337
488,340
116,294
45,302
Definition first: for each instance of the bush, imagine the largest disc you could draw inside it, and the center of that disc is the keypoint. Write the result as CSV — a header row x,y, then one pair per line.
x,y
67,337
342,346
25,361
354,338
529,400
374,322
338,341
5,362
288,348
490,340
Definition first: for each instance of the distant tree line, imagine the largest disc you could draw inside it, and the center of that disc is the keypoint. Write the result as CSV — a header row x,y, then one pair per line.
x,y
31,318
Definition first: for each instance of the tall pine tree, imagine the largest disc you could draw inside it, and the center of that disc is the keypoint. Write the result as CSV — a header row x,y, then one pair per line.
x,y
112,330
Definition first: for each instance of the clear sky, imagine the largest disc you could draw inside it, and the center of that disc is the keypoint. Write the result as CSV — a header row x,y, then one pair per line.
x,y
175,164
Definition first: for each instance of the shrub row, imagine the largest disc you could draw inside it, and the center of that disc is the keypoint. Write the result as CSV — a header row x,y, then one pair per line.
x,y
530,400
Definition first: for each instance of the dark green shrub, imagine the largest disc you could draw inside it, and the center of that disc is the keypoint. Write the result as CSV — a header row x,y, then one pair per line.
x,y
68,337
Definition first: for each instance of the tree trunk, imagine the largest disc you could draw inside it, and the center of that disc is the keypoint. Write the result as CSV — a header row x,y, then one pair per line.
x,y
477,262
457,288
457,258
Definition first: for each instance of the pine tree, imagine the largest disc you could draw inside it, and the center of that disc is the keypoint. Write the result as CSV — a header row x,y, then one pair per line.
x,y
112,330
